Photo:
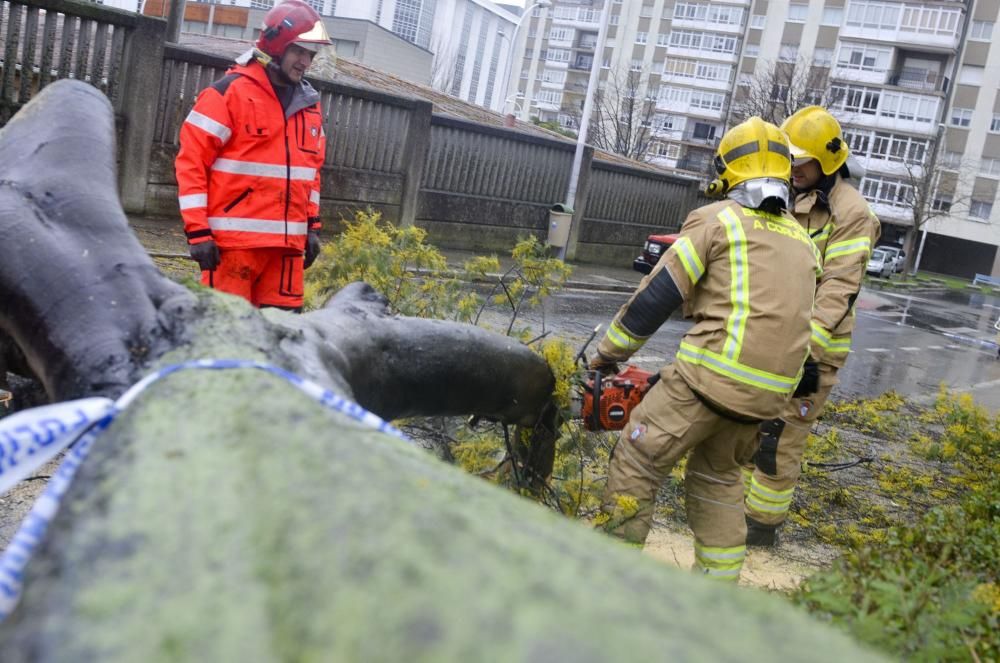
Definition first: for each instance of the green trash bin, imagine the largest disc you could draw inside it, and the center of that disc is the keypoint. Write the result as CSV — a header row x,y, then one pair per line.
x,y
560,219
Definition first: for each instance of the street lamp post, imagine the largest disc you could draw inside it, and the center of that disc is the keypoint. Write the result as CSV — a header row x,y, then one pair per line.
x,y
513,47
588,107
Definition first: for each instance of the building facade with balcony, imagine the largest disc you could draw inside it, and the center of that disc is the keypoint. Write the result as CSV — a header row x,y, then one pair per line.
x,y
915,86
677,60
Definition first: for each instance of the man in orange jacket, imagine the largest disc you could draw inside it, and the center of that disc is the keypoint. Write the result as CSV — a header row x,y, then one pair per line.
x,y
248,169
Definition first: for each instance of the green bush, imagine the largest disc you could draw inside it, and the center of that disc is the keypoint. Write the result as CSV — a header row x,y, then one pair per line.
x,y
929,591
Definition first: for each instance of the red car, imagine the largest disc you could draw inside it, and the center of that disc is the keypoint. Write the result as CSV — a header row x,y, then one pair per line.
x,y
655,246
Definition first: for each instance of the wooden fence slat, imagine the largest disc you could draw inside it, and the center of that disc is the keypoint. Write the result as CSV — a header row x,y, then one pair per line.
x,y
369,138
69,24
115,66
164,109
97,59
28,55
83,49
10,53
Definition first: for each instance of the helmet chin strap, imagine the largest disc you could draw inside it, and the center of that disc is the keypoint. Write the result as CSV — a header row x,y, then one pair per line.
x,y
272,66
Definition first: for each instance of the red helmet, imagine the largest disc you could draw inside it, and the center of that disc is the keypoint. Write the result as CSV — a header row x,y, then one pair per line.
x,y
291,22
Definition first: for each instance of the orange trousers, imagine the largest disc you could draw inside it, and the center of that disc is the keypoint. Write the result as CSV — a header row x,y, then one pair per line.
x,y
264,277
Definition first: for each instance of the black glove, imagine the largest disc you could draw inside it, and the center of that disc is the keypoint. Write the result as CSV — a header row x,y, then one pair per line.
x,y
313,247
809,384
206,254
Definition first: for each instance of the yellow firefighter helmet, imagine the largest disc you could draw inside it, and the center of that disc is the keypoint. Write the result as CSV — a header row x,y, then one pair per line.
x,y
815,134
753,155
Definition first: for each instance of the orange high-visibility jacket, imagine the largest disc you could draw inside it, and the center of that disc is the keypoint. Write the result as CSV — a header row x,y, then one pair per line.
x,y
248,173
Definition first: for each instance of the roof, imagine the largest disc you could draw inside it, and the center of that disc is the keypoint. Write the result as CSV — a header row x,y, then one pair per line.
x,y
349,72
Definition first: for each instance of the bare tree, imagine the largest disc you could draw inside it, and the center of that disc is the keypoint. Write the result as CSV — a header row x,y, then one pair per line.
x,y
443,65
782,88
623,116
934,184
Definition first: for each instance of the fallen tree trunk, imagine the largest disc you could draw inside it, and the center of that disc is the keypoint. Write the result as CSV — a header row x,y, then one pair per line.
x,y
225,516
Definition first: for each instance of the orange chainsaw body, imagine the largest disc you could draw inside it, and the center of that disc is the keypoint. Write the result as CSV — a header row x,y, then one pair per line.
x,y
608,400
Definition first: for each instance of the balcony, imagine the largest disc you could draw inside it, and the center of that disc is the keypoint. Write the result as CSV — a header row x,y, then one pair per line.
x,y
578,17
931,28
582,63
717,56
694,24
924,80
589,45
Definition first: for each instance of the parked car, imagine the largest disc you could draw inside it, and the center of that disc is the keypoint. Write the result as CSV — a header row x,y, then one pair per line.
x,y
898,256
881,263
654,247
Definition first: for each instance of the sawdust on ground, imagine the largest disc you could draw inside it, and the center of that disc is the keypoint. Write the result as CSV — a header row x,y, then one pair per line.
x,y
779,569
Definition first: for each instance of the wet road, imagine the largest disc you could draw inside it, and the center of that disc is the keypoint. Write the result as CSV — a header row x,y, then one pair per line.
x,y
906,343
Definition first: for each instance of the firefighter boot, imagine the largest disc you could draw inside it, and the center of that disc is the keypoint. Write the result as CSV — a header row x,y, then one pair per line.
x,y
760,535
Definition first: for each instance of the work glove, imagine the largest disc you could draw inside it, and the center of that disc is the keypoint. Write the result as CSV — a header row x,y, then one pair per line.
x,y
206,254
603,365
313,247
809,384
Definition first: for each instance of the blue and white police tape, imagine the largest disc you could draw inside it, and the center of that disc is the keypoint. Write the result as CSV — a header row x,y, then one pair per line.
x,y
32,438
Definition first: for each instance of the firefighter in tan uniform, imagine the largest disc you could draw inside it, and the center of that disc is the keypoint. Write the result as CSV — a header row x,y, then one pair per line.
x,y
746,274
842,225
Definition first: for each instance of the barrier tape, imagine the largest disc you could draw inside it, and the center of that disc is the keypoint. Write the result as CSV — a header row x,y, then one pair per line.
x,y
31,438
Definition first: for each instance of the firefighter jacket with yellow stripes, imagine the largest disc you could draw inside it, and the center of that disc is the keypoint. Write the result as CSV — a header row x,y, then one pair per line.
x,y
248,172
747,278
844,229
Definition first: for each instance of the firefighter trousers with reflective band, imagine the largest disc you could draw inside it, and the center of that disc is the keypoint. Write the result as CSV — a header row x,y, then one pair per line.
x,y
669,422
264,277
771,478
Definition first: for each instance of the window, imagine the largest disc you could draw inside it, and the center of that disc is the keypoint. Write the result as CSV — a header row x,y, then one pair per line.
x,y
981,30
663,122
560,34
822,57
707,100
552,97
557,55
858,142
788,52
646,11
641,37
887,190
950,160
557,76
930,20
757,21
971,75
833,16
995,123
752,50
941,202
636,65
961,117
980,209
864,58
703,41
989,166
877,15
797,12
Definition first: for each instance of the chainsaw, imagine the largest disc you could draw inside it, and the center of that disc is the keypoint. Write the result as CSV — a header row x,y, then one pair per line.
x,y
605,401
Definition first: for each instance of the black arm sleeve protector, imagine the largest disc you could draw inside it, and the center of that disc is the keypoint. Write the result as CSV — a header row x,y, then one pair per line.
x,y
653,305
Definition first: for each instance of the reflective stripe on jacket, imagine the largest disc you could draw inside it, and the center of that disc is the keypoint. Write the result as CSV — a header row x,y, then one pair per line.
x,y
248,172
748,280
845,231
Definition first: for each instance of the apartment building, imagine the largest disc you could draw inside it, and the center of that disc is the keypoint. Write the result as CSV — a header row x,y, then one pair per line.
x,y
679,58
914,84
470,39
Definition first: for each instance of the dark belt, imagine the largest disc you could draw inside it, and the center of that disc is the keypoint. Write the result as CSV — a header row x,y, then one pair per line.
x,y
723,412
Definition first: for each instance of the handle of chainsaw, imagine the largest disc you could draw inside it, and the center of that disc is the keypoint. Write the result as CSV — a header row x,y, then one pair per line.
x,y
653,379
